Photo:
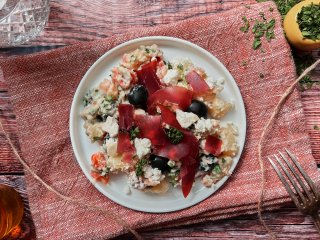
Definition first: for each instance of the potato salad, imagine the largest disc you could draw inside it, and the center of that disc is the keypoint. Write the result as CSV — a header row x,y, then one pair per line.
x,y
160,122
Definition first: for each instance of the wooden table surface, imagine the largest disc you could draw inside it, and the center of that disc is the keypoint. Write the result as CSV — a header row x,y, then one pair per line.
x,y
71,21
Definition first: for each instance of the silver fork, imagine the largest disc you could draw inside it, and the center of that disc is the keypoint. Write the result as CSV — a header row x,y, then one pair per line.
x,y
305,196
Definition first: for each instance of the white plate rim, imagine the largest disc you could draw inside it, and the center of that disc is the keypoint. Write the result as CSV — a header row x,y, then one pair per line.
x,y
74,113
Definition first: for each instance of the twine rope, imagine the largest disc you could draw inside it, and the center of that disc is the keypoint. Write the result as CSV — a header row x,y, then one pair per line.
x,y
119,220
275,112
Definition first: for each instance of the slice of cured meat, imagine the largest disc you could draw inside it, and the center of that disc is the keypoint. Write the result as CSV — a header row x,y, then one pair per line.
x,y
198,84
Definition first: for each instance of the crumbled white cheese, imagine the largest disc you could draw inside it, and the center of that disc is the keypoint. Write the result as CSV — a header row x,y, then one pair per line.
x,y
135,181
206,125
111,147
153,176
186,119
215,84
139,111
183,64
220,81
207,181
126,190
202,144
171,163
111,126
206,162
93,131
142,146
171,78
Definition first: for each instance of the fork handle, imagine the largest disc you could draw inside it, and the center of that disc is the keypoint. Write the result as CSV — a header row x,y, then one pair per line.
x,y
316,220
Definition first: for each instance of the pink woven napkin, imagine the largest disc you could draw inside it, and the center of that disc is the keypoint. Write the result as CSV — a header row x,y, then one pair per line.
x,y
42,87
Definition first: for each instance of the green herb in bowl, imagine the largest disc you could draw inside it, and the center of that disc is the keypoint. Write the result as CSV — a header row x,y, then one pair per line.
x,y
309,21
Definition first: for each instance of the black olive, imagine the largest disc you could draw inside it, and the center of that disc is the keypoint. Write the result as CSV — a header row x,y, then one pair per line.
x,y
198,108
159,162
138,95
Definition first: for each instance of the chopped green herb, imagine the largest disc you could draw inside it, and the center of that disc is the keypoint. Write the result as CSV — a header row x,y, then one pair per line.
x,y
270,25
315,127
244,63
88,97
261,75
223,160
270,35
217,169
139,167
147,50
169,65
256,43
246,26
271,9
309,21
175,135
134,132
133,57
285,6
262,16
302,62
262,28
174,176
109,98
180,66
246,6
96,139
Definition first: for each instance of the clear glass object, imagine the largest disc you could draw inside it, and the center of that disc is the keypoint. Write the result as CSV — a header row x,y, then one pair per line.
x,y
22,20
11,209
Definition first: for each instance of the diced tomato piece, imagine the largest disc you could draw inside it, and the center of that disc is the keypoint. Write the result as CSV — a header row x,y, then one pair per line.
x,y
188,171
150,127
124,143
126,120
176,96
96,176
98,160
169,117
213,145
147,77
198,84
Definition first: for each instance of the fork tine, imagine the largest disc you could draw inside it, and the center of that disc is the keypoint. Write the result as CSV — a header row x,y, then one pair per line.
x,y
302,184
285,183
303,173
298,191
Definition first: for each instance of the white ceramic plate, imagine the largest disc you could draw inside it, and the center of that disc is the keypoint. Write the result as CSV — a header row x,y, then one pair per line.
x,y
83,149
